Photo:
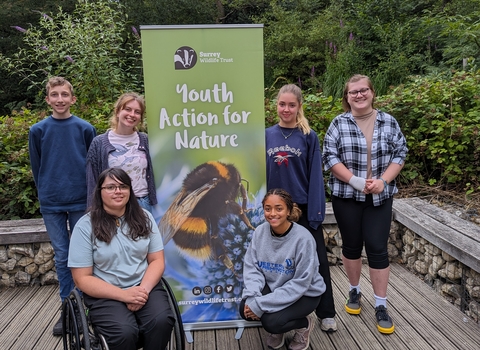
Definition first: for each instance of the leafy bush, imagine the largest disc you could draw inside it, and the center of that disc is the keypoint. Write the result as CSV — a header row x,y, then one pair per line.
x,y
91,48
18,195
440,117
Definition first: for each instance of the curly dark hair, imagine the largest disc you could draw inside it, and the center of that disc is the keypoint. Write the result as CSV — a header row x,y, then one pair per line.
x,y
104,225
295,211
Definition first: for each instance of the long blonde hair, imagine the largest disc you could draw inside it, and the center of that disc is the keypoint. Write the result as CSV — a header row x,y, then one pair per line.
x,y
301,121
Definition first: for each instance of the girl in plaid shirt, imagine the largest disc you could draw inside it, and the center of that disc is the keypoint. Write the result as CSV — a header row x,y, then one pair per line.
x,y
364,149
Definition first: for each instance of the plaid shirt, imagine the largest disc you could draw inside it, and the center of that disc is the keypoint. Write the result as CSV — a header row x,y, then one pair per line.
x,y
344,143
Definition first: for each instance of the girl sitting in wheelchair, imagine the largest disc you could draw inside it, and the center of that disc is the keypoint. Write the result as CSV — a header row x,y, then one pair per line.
x,y
117,261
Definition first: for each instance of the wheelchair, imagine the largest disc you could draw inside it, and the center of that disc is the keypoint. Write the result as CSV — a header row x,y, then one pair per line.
x,y
78,333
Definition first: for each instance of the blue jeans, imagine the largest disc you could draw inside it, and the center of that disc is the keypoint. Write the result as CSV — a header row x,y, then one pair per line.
x,y
56,225
145,204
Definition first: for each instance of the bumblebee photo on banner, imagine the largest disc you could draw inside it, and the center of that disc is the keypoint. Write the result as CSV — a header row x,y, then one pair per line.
x,y
205,112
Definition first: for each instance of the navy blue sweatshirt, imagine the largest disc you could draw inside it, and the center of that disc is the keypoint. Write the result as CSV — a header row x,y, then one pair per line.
x,y
294,163
58,150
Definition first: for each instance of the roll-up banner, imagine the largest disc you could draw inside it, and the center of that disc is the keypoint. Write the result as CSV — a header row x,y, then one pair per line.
x,y
205,112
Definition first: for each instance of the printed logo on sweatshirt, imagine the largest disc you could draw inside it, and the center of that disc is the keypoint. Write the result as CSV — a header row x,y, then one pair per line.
x,y
287,269
282,153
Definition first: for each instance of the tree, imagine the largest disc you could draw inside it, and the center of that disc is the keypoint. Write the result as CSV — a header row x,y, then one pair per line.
x,y
90,47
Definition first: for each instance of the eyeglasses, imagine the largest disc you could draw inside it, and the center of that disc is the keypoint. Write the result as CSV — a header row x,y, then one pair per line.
x,y
113,188
363,92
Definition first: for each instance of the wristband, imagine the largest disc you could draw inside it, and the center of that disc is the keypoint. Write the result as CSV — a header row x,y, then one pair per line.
x,y
385,184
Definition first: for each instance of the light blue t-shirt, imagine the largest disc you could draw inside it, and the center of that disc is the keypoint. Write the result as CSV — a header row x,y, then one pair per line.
x,y
122,262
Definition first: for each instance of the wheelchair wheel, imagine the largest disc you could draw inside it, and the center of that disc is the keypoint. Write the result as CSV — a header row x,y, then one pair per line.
x,y
177,341
74,323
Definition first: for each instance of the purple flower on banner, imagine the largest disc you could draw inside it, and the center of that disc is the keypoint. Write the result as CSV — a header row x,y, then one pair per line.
x,y
341,24
70,59
44,48
351,36
312,72
331,44
20,29
334,49
299,82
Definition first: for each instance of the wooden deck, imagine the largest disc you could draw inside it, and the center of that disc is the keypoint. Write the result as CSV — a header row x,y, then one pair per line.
x,y
423,320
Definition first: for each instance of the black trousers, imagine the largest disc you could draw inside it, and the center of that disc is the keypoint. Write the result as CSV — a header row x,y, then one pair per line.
x,y
292,317
326,308
123,328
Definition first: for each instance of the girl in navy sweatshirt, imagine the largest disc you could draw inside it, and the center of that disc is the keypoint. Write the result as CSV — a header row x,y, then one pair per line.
x,y
294,163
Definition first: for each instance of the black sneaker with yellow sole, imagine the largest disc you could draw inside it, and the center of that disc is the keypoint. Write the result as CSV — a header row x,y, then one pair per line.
x,y
353,305
384,321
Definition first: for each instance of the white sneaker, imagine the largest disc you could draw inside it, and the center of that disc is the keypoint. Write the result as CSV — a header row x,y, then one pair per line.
x,y
328,325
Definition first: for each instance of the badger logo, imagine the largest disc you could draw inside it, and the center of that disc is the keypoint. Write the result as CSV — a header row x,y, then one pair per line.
x,y
185,58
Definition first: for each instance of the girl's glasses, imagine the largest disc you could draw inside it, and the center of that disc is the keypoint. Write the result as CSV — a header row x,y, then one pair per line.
x,y
113,188
363,92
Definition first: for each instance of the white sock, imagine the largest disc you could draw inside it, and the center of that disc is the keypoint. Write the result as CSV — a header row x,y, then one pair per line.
x,y
380,301
355,287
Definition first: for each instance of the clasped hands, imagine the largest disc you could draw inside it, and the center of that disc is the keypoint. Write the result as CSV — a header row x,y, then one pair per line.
x,y
136,297
250,314
367,186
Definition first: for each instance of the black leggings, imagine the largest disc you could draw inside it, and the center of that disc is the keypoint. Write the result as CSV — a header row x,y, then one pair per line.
x,y
292,317
326,307
362,222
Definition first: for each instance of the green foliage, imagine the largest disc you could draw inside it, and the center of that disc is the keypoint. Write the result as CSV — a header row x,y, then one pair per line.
x,y
440,117
89,47
291,50
459,35
17,188
14,95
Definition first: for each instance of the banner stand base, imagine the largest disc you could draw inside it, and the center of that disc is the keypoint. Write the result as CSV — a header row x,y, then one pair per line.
x,y
189,336
239,333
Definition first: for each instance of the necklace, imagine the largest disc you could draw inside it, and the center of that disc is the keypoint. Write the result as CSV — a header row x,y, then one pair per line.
x,y
117,222
287,136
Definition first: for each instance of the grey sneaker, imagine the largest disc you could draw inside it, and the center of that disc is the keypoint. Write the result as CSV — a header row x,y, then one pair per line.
x,y
353,305
275,341
301,338
384,322
328,325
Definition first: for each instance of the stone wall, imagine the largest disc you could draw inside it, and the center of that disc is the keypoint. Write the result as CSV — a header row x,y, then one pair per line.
x,y
29,264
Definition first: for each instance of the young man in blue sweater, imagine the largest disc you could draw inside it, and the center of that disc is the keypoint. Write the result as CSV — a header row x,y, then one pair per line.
x,y
58,148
